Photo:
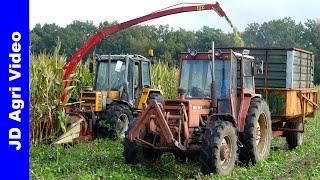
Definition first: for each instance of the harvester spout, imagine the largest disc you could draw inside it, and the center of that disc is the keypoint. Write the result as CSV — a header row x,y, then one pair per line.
x,y
217,8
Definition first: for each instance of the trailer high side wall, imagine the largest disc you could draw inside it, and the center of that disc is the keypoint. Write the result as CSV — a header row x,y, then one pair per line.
x,y
287,84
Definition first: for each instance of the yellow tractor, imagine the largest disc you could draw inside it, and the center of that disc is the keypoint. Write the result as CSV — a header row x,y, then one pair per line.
x,y
121,86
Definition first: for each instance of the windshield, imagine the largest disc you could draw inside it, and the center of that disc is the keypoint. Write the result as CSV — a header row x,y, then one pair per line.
x,y
196,78
117,75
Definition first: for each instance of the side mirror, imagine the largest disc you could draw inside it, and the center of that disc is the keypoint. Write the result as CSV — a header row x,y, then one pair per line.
x,y
91,67
258,67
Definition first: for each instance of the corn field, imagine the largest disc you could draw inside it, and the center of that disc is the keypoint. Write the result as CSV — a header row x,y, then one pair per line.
x,y
165,78
48,119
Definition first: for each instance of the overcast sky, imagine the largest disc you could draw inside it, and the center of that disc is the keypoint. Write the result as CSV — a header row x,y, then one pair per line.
x,y
241,12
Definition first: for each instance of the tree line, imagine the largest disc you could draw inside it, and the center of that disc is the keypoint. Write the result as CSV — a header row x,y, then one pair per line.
x,y
168,42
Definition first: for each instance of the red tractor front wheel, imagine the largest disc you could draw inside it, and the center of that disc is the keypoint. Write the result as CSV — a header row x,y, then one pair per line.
x,y
219,148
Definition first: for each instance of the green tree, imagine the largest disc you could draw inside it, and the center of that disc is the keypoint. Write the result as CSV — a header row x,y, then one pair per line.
x,y
206,35
168,43
44,38
312,37
74,36
276,33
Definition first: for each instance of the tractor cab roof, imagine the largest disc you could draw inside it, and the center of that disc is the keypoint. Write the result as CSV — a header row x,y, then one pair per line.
x,y
134,57
219,54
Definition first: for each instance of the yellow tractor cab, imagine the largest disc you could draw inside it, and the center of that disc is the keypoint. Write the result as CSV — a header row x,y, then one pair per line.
x,y
122,84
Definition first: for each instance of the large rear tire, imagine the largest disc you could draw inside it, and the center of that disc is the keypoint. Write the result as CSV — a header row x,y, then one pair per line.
x,y
257,134
118,118
219,148
294,139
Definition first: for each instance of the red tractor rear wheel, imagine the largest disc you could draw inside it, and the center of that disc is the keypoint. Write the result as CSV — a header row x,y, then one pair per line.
x,y
257,134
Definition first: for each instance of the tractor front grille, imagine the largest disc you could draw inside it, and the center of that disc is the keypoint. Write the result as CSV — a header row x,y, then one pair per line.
x,y
91,100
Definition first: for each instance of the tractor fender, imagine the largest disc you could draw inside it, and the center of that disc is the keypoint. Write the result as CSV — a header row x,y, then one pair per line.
x,y
244,110
144,95
225,117
122,102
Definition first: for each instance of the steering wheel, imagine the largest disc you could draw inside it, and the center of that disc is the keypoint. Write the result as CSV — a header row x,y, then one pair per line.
x,y
197,92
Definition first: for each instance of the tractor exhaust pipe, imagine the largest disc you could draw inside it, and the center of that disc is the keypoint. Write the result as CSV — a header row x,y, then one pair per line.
x,y
182,93
214,103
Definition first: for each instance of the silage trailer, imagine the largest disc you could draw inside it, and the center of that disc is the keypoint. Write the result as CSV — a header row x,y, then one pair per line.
x,y
287,84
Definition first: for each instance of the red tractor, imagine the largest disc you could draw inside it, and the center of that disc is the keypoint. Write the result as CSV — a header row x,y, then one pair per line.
x,y
216,117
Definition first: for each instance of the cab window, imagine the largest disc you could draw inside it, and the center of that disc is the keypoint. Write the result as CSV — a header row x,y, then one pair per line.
x,y
145,74
136,76
247,74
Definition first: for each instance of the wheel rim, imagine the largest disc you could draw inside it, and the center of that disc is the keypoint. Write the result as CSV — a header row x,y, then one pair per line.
x,y
258,133
225,152
261,135
122,124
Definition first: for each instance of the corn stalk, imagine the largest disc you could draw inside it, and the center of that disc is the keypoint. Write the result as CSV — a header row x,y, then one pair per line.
x,y
48,119
165,78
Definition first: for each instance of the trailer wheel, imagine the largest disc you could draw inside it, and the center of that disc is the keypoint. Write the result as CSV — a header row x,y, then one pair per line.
x,y
257,134
294,139
219,148
135,153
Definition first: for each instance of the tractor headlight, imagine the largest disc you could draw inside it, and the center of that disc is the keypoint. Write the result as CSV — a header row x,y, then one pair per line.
x,y
193,53
217,53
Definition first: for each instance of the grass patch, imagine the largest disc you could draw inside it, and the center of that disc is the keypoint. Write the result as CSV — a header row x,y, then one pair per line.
x,y
103,159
